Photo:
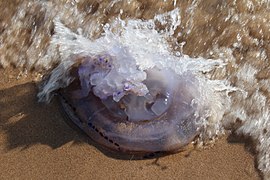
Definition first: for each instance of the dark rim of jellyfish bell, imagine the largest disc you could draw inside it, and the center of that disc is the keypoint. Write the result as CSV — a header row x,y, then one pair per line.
x,y
127,155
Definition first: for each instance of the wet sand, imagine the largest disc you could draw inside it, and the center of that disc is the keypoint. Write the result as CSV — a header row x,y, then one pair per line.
x,y
37,143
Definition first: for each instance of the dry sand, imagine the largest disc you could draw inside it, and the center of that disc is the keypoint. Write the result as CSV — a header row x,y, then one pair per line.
x,y
36,143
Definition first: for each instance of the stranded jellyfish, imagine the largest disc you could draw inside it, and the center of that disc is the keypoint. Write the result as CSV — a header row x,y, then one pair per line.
x,y
125,108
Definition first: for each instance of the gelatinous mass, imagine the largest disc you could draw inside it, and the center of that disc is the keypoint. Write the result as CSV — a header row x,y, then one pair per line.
x,y
158,115
123,107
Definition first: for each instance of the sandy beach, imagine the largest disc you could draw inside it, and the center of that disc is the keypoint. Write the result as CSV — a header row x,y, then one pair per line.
x,y
37,143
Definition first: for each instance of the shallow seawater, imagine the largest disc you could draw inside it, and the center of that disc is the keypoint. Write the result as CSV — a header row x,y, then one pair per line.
x,y
236,33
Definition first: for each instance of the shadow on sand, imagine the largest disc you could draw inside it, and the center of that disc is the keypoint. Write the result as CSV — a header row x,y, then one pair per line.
x,y
27,122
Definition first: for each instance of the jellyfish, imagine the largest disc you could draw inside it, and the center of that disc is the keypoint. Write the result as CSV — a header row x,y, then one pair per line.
x,y
125,108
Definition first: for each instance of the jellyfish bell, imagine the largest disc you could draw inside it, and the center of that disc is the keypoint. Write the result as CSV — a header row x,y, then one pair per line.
x,y
157,113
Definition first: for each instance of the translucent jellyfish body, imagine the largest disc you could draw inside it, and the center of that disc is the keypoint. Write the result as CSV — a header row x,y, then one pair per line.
x,y
131,110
